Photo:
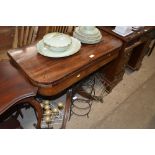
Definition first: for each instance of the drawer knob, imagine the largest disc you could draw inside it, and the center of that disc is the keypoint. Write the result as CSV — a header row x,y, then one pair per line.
x,y
91,56
78,75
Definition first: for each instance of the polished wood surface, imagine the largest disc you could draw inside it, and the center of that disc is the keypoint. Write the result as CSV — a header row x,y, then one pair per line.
x,y
16,89
130,37
14,86
52,75
136,44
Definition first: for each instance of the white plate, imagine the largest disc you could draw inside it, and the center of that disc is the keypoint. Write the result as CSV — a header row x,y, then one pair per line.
x,y
87,40
87,37
121,34
75,47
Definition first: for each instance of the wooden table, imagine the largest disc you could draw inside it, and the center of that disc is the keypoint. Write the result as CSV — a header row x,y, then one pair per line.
x,y
53,75
132,53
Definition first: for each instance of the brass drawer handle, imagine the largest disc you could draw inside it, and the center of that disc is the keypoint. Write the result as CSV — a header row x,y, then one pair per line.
x,y
78,75
91,56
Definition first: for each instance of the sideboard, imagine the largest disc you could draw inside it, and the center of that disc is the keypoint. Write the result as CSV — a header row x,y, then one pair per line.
x,y
134,48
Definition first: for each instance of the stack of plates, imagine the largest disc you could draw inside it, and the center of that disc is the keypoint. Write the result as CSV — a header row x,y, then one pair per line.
x,y
58,45
136,28
87,34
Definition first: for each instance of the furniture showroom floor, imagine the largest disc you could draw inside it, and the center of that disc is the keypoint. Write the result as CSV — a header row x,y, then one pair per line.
x,y
131,104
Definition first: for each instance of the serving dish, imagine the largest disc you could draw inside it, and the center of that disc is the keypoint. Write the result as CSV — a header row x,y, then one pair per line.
x,y
74,48
58,42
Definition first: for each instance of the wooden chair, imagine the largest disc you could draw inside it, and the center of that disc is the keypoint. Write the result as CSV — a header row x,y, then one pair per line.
x,y
6,40
42,30
6,37
24,35
15,89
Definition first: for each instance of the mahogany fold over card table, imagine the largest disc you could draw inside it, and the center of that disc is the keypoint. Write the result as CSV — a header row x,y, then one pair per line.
x,y
53,75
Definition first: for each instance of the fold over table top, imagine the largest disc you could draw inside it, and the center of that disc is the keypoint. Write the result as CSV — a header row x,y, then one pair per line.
x,y
51,71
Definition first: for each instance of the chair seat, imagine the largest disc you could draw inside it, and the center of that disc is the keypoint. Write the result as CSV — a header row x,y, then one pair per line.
x,y
13,86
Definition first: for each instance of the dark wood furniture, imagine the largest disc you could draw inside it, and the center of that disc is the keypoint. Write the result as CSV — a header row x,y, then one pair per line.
x,y
10,123
133,50
151,48
152,44
53,75
6,37
15,89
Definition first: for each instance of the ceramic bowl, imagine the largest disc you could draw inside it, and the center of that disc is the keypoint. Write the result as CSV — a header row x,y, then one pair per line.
x,y
74,48
88,30
57,42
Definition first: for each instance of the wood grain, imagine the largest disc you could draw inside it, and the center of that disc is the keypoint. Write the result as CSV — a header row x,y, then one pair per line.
x,y
16,89
52,75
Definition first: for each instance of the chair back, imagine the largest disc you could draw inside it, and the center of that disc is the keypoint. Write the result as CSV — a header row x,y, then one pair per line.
x,y
24,35
6,37
42,30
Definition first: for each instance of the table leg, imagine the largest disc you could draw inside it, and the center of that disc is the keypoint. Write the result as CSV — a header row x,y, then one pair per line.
x,y
38,111
67,108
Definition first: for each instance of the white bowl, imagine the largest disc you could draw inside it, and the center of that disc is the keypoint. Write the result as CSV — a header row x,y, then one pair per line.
x,y
74,48
57,42
88,30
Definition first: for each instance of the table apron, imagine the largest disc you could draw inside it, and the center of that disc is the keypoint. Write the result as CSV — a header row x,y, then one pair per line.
x,y
54,89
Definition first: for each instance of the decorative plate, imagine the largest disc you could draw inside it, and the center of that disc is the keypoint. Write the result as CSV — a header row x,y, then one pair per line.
x,y
86,40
